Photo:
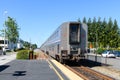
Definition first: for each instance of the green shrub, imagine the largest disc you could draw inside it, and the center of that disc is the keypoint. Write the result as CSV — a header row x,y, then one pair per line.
x,y
100,50
8,51
23,54
19,49
0,48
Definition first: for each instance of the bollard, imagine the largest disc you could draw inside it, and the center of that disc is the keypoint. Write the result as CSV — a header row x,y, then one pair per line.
x,y
30,55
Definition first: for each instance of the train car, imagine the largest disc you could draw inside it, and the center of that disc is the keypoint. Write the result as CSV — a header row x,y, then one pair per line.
x,y
68,42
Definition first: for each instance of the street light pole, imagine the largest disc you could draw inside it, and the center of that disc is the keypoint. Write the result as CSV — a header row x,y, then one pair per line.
x,y
4,14
96,47
96,41
30,44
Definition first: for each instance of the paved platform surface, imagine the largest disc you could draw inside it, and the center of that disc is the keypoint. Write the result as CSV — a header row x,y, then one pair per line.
x,y
7,58
41,69
27,70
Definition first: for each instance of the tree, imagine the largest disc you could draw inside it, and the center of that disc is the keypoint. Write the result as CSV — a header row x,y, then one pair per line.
x,y
79,20
109,32
104,33
89,23
12,30
2,33
98,32
26,44
94,27
34,46
84,20
115,36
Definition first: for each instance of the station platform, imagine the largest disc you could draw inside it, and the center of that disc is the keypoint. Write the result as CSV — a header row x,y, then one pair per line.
x,y
42,69
27,70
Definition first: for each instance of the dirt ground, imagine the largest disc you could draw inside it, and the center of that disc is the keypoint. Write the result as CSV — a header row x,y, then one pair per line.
x,y
107,70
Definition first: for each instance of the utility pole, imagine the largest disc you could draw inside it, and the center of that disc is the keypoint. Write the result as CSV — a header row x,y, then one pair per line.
x,y
30,44
96,40
96,47
4,14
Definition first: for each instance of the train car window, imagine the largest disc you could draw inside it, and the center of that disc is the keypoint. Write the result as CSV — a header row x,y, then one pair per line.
x,y
74,33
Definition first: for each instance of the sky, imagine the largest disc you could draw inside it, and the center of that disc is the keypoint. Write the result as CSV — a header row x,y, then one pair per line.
x,y
38,19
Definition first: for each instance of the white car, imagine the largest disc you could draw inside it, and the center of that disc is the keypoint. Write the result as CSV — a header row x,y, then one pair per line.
x,y
6,49
108,54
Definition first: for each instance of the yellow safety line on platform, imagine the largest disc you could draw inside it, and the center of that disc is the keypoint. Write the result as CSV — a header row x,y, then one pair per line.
x,y
61,78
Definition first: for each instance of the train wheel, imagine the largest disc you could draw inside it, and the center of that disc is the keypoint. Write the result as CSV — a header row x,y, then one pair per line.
x,y
57,57
47,53
61,60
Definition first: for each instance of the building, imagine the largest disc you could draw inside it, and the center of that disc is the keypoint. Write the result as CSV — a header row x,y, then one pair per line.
x,y
19,44
9,44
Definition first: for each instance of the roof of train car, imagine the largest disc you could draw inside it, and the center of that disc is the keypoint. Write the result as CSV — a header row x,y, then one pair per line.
x,y
70,22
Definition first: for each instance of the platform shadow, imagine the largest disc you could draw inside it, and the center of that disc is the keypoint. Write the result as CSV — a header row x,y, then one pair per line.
x,y
85,62
19,73
3,67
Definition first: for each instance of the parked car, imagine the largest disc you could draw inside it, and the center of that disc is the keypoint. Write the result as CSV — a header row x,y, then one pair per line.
x,y
6,49
117,53
109,54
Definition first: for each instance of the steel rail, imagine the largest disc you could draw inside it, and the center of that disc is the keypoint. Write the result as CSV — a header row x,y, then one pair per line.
x,y
102,76
81,71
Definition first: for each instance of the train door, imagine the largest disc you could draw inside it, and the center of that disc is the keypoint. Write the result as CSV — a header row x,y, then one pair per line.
x,y
74,34
74,40
58,48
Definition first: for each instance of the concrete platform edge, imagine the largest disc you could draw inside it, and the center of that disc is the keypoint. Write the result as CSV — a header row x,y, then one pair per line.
x,y
71,75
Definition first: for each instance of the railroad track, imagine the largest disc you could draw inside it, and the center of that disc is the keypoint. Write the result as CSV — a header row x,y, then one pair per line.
x,y
89,74
86,73
42,55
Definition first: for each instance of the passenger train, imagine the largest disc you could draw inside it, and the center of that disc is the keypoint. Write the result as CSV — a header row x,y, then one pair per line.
x,y
68,42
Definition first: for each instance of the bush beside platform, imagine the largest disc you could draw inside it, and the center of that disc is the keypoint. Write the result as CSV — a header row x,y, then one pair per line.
x,y
26,54
23,54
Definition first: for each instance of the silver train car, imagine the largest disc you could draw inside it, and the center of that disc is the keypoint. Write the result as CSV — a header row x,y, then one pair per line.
x,y
68,42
